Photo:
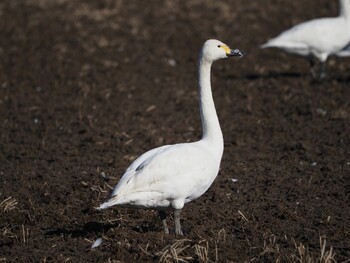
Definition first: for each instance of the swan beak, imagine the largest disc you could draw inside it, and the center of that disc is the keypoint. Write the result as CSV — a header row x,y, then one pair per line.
x,y
234,53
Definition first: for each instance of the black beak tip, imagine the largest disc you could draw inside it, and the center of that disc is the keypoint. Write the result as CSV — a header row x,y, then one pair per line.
x,y
236,53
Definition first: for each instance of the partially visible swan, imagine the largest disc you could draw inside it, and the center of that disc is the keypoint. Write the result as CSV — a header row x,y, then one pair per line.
x,y
317,38
172,175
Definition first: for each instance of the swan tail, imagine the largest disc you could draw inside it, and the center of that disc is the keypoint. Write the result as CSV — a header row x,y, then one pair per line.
x,y
266,45
273,43
110,202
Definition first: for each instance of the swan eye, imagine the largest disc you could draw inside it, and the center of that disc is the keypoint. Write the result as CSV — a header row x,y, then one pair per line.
x,y
219,46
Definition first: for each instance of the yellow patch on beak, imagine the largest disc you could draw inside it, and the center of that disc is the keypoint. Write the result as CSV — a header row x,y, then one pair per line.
x,y
226,48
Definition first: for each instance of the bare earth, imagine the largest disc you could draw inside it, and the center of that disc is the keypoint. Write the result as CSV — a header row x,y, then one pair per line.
x,y
87,86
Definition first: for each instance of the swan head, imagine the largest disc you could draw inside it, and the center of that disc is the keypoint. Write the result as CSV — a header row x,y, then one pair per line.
x,y
213,50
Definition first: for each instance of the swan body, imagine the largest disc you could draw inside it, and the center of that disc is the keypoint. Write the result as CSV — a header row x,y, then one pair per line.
x,y
149,183
170,176
318,38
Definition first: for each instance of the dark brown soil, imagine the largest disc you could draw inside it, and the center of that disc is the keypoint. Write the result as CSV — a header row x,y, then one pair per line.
x,y
87,86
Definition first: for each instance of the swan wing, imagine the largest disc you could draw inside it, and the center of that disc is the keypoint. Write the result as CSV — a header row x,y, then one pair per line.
x,y
136,164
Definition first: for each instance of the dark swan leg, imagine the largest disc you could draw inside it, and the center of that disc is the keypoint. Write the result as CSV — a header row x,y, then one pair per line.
x,y
317,75
178,230
322,70
162,215
312,67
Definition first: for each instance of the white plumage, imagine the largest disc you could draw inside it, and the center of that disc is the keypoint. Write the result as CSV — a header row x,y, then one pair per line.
x,y
172,175
318,38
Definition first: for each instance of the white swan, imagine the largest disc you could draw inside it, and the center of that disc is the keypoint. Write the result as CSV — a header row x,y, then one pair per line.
x,y
317,38
172,175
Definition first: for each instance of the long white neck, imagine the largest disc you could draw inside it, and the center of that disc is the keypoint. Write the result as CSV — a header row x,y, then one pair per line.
x,y
210,123
345,8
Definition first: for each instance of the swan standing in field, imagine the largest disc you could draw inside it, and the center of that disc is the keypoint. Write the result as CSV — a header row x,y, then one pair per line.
x,y
172,175
317,38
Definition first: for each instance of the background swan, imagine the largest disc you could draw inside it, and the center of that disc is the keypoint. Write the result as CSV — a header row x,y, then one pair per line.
x,y
172,175
317,38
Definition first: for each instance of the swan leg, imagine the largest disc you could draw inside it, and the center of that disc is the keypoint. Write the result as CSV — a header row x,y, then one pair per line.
x,y
322,70
162,215
312,67
178,230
